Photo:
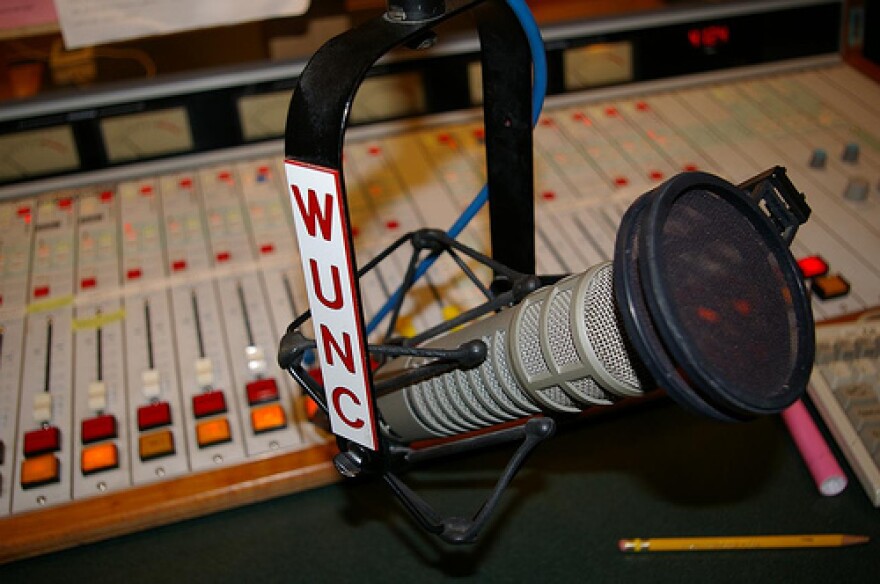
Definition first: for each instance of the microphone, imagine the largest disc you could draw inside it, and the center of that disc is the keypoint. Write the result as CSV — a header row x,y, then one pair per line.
x,y
703,298
560,349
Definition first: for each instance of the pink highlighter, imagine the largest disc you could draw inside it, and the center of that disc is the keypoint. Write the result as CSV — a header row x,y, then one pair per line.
x,y
828,475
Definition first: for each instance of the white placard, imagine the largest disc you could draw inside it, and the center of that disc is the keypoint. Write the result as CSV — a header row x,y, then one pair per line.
x,y
93,22
324,244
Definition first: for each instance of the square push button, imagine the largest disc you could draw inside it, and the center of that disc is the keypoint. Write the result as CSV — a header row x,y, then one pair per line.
x,y
156,445
208,403
99,458
268,418
830,286
262,391
813,266
42,441
98,428
213,432
153,416
40,470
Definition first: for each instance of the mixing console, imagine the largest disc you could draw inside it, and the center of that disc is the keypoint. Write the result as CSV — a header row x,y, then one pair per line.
x,y
139,316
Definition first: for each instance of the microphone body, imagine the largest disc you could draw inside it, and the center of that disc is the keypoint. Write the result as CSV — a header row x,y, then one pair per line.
x,y
561,349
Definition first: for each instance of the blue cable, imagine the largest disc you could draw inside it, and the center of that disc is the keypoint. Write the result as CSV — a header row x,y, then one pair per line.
x,y
539,92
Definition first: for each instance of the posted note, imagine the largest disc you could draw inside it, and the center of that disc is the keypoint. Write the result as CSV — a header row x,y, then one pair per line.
x,y
93,22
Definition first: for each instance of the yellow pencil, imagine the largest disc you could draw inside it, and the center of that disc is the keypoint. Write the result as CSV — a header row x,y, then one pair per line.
x,y
746,542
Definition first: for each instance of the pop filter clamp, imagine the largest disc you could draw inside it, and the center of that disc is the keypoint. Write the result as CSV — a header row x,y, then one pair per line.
x,y
314,137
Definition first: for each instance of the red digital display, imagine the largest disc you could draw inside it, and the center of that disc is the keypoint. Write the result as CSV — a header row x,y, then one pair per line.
x,y
709,37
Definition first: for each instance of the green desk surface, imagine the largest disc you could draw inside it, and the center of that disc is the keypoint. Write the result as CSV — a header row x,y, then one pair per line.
x,y
652,471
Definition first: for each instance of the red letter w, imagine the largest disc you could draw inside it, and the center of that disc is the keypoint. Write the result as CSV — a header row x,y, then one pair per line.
x,y
314,212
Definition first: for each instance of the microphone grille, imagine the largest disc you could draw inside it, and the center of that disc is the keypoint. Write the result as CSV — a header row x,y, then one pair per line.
x,y
605,330
531,354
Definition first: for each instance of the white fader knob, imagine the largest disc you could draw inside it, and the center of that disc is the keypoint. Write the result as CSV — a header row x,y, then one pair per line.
x,y
43,408
151,383
204,372
256,360
97,396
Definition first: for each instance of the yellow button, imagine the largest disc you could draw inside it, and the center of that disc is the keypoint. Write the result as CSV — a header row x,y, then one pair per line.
x,y
212,432
450,312
100,457
266,418
40,470
156,445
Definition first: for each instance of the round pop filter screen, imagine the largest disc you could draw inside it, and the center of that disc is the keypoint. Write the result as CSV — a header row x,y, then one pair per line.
x,y
724,295
728,297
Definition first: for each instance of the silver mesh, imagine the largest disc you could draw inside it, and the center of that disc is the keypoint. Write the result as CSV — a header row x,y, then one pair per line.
x,y
446,383
516,393
588,390
416,395
562,348
533,359
435,406
483,394
453,418
473,404
495,389
605,331
554,394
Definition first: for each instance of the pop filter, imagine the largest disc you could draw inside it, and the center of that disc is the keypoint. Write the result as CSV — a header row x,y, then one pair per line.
x,y
712,300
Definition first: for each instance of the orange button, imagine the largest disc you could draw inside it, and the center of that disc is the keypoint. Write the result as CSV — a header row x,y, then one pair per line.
x,y
98,458
830,286
213,432
268,418
40,470
156,445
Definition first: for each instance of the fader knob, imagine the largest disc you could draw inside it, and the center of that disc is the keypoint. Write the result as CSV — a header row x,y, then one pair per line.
x,y
819,158
851,152
857,189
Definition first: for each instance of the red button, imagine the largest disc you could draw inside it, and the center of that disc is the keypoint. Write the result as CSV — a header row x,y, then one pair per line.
x,y
656,175
134,274
179,265
621,181
146,190
207,404
87,283
261,391
98,428
22,211
223,256
813,266
42,441
154,415
267,249
186,183
106,196
41,291
65,203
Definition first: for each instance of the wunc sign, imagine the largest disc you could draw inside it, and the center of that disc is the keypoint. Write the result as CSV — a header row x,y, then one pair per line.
x,y
318,213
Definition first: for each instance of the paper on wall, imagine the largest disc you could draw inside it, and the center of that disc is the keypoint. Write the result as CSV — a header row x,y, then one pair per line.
x,y
92,22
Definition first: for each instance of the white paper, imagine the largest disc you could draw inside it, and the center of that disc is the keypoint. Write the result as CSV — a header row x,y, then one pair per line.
x,y
93,22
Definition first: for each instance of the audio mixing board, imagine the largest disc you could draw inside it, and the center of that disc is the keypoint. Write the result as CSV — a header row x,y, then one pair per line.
x,y
141,309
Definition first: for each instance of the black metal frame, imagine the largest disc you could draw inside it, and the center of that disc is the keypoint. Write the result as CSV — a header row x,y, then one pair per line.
x,y
316,124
